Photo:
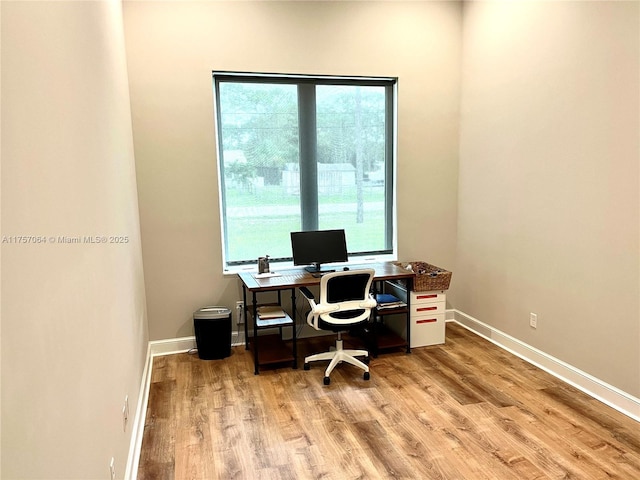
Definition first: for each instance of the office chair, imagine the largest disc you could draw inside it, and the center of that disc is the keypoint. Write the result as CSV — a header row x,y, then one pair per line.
x,y
345,302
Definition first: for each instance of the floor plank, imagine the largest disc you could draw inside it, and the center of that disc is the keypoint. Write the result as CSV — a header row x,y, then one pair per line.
x,y
463,410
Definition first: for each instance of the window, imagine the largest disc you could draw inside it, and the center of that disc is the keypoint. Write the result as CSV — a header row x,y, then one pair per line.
x,y
304,153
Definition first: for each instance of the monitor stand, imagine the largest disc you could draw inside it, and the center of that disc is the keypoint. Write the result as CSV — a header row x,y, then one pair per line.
x,y
316,271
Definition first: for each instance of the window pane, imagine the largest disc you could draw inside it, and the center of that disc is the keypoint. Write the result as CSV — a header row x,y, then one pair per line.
x,y
302,153
259,138
351,159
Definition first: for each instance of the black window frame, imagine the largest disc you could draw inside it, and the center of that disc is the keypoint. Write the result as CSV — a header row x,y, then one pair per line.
x,y
308,160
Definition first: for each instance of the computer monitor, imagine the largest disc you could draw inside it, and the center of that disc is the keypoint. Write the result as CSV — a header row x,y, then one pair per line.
x,y
317,247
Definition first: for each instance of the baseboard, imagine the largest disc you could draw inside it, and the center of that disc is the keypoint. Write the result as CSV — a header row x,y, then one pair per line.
x,y
131,472
594,387
185,344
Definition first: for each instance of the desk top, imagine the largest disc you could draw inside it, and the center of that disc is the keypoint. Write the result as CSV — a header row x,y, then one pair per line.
x,y
298,277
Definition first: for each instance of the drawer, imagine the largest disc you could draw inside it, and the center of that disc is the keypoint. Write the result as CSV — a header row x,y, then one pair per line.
x,y
427,297
427,330
421,309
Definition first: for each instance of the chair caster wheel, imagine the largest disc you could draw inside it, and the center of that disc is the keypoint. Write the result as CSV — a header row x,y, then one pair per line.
x,y
307,366
327,380
366,376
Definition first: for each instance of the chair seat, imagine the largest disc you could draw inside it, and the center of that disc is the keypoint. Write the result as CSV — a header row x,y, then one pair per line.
x,y
332,327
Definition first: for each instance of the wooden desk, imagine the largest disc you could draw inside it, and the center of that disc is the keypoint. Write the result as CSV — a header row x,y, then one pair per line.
x,y
298,277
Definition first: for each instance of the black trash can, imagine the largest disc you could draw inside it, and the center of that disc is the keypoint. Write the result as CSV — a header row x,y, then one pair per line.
x,y
212,326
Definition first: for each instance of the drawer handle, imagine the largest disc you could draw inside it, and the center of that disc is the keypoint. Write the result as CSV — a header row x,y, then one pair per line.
x,y
427,320
426,309
420,297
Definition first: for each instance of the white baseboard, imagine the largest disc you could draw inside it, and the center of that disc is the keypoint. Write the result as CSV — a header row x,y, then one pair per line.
x,y
594,387
131,472
607,394
185,344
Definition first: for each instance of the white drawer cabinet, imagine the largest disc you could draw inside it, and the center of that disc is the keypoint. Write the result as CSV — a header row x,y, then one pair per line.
x,y
427,318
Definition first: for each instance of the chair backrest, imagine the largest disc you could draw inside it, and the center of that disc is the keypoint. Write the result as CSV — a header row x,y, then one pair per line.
x,y
345,297
346,286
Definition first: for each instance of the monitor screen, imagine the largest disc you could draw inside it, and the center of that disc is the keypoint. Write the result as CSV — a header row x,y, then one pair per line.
x,y
317,247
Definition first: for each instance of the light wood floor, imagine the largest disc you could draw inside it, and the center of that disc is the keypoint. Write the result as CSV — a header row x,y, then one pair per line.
x,y
465,410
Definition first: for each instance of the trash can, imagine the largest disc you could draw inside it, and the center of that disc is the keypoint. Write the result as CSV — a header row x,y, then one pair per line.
x,y
212,327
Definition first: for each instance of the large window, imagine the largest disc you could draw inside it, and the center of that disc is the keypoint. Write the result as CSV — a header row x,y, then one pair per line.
x,y
304,153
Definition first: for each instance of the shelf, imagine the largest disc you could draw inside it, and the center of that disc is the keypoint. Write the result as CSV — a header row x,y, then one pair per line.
x,y
387,339
285,321
383,339
272,350
391,311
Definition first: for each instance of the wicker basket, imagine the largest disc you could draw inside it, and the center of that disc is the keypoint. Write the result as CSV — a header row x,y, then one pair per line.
x,y
428,277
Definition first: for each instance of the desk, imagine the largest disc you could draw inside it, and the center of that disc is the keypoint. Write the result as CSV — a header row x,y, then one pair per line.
x,y
297,277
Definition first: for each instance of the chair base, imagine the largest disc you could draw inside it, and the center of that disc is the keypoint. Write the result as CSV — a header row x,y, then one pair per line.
x,y
337,356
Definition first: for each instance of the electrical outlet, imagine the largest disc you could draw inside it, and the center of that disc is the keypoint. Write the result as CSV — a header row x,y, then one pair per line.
x,y
533,320
239,312
112,469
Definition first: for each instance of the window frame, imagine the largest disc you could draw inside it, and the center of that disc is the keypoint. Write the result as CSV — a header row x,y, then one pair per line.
x,y
307,154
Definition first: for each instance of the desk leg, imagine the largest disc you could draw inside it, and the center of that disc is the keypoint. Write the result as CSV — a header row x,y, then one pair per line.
x,y
255,335
295,328
375,288
244,313
374,335
409,290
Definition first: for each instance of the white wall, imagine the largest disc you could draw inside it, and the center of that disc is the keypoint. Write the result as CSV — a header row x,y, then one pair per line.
x,y
74,331
172,48
549,180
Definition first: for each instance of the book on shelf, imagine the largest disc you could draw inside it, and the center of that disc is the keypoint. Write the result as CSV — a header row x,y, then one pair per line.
x,y
271,311
386,300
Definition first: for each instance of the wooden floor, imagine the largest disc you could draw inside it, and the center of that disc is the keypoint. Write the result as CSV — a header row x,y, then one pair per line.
x,y
465,410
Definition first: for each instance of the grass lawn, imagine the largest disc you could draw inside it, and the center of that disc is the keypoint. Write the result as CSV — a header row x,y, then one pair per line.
x,y
268,217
